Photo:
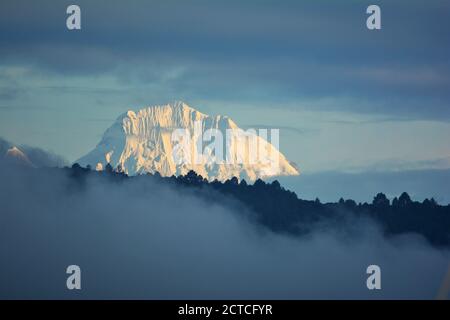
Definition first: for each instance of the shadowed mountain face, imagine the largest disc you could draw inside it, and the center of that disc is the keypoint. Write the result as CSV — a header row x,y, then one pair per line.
x,y
143,141
24,155
15,156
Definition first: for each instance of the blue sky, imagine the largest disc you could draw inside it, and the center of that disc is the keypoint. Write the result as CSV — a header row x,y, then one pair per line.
x,y
346,99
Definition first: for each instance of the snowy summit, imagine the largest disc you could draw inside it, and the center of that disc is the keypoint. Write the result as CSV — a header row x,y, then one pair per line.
x,y
143,141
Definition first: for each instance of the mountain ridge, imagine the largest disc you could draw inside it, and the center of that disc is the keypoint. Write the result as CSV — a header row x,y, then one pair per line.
x,y
16,156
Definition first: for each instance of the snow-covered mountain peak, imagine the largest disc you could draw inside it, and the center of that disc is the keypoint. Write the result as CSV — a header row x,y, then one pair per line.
x,y
143,141
16,156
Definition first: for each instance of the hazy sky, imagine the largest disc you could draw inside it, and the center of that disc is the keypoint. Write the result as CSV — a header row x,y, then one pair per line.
x,y
345,98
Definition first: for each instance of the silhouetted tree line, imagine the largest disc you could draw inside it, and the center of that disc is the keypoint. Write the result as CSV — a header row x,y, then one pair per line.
x,y
281,210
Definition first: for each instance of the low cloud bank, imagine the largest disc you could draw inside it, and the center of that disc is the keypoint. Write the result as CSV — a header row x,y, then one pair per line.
x,y
140,239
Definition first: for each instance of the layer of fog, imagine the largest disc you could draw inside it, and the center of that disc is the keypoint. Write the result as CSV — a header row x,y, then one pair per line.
x,y
143,240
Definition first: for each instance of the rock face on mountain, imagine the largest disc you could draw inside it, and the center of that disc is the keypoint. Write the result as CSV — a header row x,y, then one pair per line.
x,y
175,138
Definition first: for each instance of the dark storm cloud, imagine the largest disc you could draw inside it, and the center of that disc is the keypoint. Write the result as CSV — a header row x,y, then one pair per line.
x,y
278,51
